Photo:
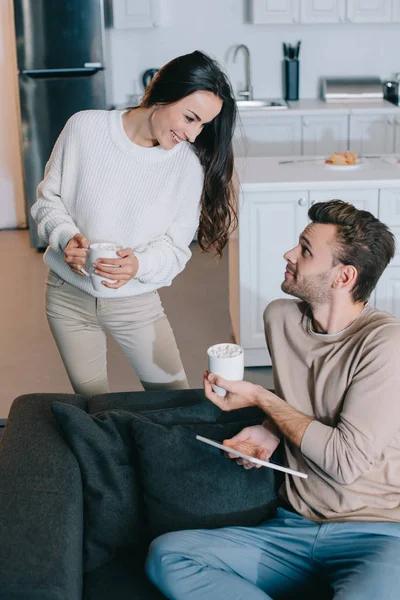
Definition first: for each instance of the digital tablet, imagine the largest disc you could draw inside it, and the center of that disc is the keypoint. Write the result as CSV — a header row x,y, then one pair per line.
x,y
257,461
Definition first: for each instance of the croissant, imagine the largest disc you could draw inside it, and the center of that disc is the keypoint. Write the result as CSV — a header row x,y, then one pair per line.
x,y
342,158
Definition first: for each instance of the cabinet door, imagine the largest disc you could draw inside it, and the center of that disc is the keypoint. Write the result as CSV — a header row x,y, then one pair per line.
x,y
395,11
270,223
268,136
397,136
388,288
388,291
274,11
372,134
132,14
323,11
389,213
323,135
369,11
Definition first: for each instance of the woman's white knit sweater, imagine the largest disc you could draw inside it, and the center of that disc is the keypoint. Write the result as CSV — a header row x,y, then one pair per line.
x,y
99,183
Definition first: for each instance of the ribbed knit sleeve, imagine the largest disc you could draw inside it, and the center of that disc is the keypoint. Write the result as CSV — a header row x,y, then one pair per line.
x,y
55,224
166,256
370,417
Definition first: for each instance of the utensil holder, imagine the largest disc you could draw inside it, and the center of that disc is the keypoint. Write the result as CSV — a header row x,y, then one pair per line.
x,y
291,72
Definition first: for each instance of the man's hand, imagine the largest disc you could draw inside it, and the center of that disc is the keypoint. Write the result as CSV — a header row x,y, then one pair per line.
x,y
122,270
259,441
289,421
75,253
239,394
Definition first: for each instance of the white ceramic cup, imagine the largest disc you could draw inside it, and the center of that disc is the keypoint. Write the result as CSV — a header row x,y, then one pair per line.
x,y
226,360
96,251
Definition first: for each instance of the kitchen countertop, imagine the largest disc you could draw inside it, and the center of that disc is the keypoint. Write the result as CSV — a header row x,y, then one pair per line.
x,y
261,173
319,107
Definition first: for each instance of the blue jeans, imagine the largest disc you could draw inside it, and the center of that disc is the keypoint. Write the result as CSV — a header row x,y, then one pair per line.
x,y
285,557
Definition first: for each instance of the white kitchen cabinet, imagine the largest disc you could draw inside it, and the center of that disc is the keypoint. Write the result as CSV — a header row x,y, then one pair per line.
x,y
389,213
132,14
397,135
388,291
270,223
322,11
361,199
268,136
369,11
395,11
387,295
372,134
323,135
266,12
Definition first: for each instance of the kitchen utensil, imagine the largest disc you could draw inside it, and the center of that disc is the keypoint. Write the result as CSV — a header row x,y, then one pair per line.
x,y
291,73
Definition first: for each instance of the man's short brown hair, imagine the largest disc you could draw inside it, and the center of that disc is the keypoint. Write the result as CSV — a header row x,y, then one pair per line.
x,y
362,241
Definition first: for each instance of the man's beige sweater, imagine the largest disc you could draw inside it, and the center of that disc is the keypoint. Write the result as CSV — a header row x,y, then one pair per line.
x,y
350,383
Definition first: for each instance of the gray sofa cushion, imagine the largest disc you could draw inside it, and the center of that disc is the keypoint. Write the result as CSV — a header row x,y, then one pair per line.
x,y
106,452
122,578
103,448
139,401
189,485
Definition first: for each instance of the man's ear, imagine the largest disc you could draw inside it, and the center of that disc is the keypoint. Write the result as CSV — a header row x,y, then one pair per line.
x,y
346,278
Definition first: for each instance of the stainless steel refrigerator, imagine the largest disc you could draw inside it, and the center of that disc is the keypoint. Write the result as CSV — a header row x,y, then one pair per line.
x,y
60,48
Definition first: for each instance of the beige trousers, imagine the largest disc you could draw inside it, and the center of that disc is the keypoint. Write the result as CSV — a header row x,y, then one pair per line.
x,y
79,323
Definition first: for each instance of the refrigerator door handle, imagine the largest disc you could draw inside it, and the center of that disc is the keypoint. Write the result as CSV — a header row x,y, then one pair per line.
x,y
57,73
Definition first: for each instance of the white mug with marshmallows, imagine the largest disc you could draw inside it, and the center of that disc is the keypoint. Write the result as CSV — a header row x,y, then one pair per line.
x,y
226,360
96,251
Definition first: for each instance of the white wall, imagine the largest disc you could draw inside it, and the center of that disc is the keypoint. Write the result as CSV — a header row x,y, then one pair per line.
x,y
12,210
216,25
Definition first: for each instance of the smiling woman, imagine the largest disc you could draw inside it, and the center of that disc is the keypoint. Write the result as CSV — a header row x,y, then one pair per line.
x,y
144,180
193,95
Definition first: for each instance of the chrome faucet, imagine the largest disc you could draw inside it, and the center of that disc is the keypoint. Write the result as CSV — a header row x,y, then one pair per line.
x,y
248,92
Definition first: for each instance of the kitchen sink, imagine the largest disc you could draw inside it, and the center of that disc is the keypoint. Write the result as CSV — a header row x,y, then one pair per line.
x,y
262,104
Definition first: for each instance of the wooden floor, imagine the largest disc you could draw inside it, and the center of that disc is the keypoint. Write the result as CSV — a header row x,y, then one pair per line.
x,y
196,304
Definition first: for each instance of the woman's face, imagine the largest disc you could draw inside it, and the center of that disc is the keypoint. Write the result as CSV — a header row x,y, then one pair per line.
x,y
183,120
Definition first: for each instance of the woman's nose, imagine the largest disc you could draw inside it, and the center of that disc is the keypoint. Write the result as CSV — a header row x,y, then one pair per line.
x,y
193,132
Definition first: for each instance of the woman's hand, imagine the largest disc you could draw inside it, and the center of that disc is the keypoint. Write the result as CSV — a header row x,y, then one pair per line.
x,y
75,253
123,269
259,441
239,394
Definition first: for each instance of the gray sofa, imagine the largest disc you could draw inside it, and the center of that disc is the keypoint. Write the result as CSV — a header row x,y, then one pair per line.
x,y
86,484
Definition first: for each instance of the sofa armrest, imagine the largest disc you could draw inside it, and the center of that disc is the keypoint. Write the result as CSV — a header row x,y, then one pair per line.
x,y
41,507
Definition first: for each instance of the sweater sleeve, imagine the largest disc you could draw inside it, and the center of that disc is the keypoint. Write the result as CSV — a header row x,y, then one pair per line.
x,y
370,416
166,256
55,225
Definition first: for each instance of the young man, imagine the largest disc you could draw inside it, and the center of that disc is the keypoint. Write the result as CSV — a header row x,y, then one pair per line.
x,y
336,367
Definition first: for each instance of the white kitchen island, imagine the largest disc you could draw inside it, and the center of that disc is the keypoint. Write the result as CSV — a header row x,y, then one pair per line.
x,y
273,204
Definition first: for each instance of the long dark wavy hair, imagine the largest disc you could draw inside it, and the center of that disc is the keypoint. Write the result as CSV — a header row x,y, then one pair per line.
x,y
177,79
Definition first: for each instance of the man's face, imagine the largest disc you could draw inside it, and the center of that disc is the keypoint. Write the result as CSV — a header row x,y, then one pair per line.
x,y
310,270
